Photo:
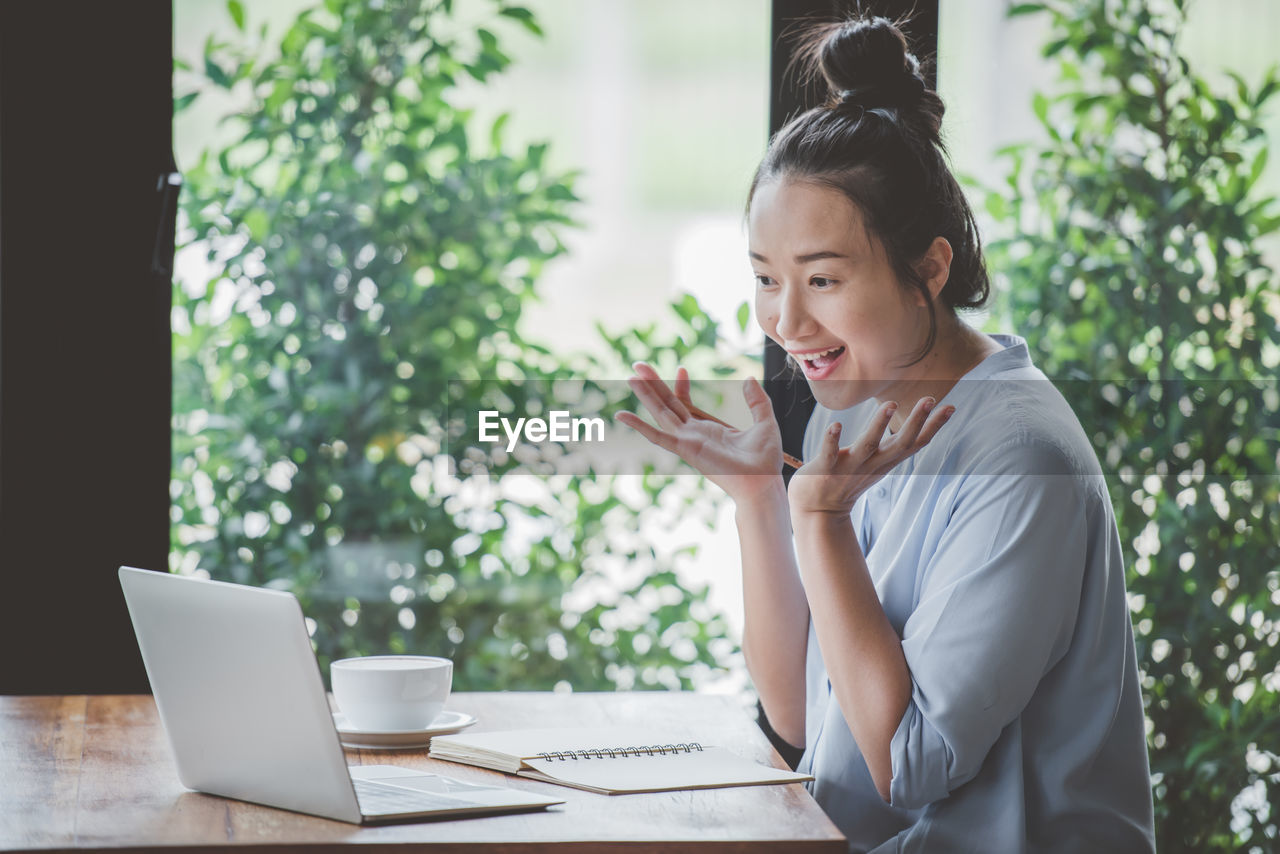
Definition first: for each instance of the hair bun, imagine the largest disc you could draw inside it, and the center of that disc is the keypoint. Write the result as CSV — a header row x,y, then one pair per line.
x,y
903,92
867,61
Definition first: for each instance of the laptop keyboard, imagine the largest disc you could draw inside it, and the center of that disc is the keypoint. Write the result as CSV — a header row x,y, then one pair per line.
x,y
380,799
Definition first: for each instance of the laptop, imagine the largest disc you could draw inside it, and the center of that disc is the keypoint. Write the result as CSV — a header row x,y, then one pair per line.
x,y
242,701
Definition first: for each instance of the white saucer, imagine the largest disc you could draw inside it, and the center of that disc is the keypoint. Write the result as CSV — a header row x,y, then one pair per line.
x,y
400,739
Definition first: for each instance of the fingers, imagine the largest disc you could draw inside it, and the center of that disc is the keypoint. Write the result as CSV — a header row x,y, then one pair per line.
x,y
657,396
682,386
910,430
870,442
757,401
921,426
645,390
830,449
933,425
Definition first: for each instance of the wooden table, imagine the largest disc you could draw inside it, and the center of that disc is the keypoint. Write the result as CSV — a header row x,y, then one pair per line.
x,y
96,772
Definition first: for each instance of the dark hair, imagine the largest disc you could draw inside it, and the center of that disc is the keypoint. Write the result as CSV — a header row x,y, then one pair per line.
x,y
877,139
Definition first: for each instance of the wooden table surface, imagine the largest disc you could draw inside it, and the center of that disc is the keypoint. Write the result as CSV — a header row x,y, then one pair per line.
x,y
96,772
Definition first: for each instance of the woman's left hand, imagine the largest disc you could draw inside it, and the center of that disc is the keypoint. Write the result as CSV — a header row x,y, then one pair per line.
x,y
831,482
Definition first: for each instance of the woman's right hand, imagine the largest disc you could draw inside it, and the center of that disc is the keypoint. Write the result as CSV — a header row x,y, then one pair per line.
x,y
744,463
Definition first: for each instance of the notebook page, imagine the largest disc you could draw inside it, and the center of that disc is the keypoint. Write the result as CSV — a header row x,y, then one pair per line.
x,y
711,768
528,743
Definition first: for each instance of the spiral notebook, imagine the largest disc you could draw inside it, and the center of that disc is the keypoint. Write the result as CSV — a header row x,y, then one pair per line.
x,y
612,760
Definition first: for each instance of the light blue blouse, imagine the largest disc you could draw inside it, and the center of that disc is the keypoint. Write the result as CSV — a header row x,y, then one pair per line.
x,y
996,557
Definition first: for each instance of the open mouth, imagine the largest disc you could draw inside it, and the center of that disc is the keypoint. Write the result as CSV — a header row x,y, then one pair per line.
x,y
818,365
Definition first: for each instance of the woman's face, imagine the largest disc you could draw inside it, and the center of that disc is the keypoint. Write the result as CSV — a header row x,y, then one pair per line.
x,y
825,292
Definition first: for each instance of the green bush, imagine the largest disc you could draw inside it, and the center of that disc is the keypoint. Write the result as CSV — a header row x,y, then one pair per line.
x,y
1132,259
372,251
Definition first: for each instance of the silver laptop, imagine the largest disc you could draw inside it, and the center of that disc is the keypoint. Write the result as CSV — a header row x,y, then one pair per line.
x,y
241,698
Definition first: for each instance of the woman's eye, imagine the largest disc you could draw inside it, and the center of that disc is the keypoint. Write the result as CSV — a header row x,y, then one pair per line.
x,y
764,281
821,282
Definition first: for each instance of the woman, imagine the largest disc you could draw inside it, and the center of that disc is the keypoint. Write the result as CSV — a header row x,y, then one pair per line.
x,y
935,610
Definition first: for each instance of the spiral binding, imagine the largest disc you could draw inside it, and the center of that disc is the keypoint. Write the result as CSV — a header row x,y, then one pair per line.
x,y
622,752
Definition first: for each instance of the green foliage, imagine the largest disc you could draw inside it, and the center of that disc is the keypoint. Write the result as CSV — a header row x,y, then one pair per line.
x,y
370,253
1134,261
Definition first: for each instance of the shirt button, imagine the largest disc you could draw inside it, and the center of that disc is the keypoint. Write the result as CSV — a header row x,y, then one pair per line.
x,y
881,492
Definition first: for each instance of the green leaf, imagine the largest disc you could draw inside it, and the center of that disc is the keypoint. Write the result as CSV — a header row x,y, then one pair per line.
x,y
688,309
1178,200
1256,170
259,224
561,193
1267,225
536,153
1080,106
1242,88
1227,110
1024,9
281,91
215,73
524,16
1053,48
182,102
1040,106
997,206
495,132
236,8
1268,89
744,315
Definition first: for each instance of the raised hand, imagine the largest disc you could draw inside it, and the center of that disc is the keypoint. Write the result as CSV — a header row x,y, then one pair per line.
x,y
741,462
832,481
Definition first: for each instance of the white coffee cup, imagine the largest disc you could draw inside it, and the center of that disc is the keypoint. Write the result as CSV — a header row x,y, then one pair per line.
x,y
385,693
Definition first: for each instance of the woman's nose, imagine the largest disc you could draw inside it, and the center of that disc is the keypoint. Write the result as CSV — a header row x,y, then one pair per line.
x,y
793,319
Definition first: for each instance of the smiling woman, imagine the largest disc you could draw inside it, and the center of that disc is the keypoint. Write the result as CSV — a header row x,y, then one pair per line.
x,y
936,612
874,329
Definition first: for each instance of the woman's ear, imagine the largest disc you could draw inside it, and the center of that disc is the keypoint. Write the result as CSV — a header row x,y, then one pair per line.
x,y
935,266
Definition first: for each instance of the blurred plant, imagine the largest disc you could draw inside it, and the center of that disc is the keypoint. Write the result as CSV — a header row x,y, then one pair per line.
x,y
370,259
1133,252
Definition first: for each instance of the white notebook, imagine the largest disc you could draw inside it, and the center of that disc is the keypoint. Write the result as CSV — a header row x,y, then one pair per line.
x,y
611,760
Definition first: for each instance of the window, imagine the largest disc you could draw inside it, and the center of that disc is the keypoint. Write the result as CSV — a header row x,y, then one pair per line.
x,y
663,108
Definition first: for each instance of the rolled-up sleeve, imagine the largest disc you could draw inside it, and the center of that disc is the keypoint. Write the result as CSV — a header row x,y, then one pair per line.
x,y
997,603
